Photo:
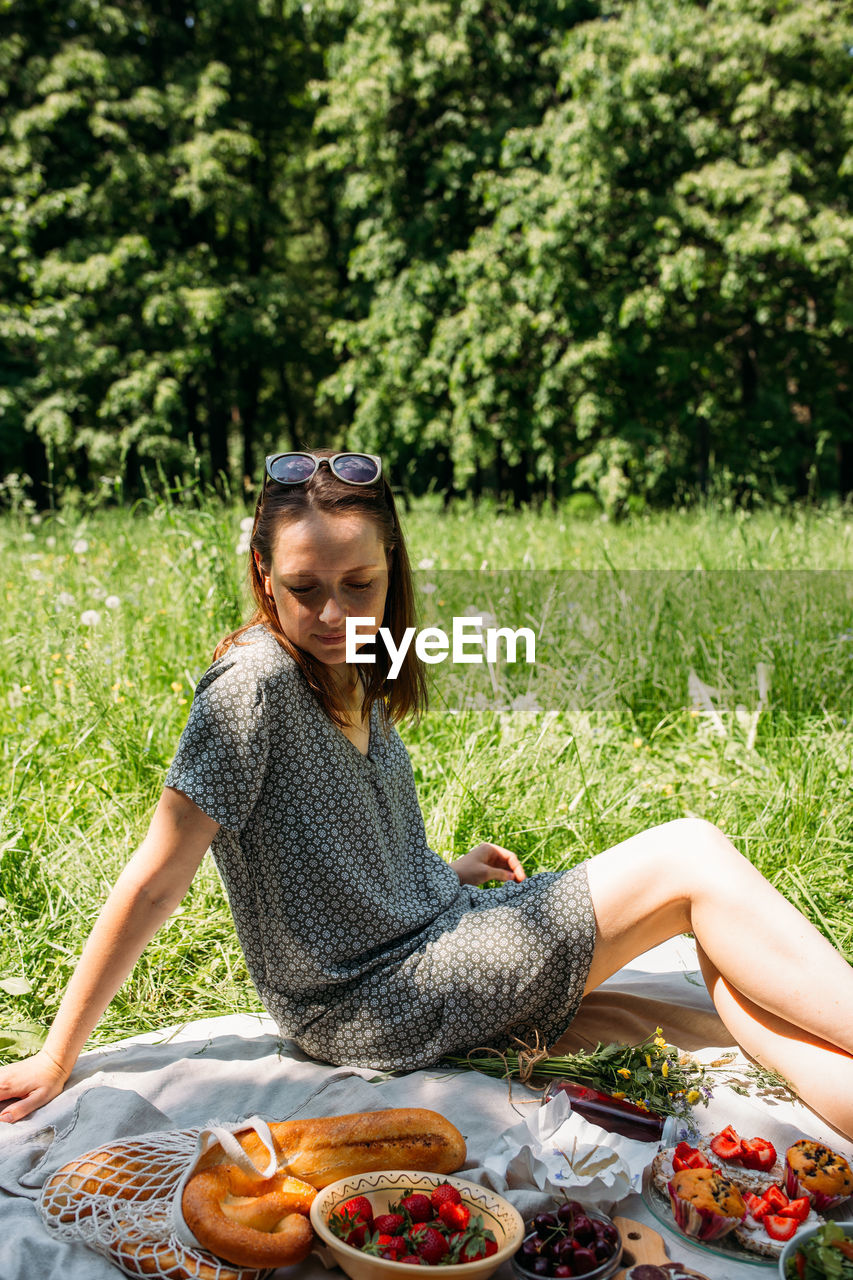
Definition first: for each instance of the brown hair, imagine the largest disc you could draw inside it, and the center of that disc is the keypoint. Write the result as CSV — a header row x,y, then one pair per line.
x,y
281,505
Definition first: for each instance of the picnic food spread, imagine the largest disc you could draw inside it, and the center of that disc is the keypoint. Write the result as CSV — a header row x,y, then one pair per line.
x,y
724,1186
778,1197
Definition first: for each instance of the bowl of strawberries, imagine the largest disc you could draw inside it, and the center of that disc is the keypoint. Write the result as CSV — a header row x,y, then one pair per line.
x,y
379,1225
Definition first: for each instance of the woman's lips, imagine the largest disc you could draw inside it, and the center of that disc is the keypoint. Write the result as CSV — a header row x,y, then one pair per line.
x,y
334,639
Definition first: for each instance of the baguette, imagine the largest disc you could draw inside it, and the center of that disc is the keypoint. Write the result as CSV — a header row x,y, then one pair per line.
x,y
319,1151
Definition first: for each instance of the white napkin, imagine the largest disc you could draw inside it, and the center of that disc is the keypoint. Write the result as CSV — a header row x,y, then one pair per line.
x,y
554,1150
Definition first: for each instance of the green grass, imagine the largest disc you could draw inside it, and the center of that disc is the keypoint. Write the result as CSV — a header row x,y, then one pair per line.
x,y
601,738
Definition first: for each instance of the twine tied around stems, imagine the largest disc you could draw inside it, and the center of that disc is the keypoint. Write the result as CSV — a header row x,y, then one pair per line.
x,y
527,1058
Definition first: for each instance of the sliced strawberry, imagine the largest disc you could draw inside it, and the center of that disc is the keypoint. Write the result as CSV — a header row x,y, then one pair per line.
x,y
779,1228
757,1153
755,1204
776,1197
797,1209
726,1144
686,1157
455,1216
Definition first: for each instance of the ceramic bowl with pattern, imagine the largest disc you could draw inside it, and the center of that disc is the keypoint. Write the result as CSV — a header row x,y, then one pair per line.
x,y
383,1189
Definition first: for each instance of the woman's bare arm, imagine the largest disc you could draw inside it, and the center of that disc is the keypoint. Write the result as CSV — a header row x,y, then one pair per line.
x,y
146,893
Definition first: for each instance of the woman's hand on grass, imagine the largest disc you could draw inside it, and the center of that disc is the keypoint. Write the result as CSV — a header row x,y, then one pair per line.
x,y
28,1085
488,862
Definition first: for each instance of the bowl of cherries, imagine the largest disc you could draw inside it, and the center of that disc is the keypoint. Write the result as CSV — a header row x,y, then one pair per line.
x,y
568,1241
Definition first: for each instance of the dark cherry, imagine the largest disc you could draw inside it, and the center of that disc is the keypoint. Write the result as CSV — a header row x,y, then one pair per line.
x,y
544,1222
530,1247
564,1251
584,1230
540,1267
563,1271
584,1261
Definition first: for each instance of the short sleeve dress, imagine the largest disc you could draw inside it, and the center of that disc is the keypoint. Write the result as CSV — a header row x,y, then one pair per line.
x,y
362,943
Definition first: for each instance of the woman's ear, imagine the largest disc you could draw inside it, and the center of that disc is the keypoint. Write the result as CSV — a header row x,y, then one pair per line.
x,y
262,574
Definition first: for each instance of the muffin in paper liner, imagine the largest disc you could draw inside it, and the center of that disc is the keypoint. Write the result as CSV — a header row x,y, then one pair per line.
x,y
699,1221
814,1170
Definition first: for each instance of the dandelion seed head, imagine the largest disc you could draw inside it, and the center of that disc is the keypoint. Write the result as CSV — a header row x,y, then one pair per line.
x,y
90,617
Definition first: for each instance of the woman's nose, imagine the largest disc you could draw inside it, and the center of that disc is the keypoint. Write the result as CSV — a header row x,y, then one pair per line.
x,y
332,611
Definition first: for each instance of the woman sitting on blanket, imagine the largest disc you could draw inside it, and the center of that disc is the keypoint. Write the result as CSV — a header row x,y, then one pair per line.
x,y
365,946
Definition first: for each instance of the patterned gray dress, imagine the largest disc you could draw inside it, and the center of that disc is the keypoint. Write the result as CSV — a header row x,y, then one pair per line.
x,y
360,939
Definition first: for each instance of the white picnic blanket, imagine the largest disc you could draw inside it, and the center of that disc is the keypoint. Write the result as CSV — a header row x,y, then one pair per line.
x,y
229,1068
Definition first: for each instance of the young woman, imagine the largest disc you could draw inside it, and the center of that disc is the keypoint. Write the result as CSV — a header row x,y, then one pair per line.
x,y
365,946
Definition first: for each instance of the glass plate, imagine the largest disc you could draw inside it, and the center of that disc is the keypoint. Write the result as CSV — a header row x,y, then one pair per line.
x,y
725,1247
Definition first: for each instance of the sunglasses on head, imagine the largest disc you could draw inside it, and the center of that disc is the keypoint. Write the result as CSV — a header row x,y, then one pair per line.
x,y
297,467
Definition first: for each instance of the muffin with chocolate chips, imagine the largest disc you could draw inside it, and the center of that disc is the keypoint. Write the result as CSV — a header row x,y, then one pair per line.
x,y
705,1204
813,1170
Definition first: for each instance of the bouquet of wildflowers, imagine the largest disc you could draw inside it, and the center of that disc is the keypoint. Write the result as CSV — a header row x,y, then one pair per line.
x,y
653,1075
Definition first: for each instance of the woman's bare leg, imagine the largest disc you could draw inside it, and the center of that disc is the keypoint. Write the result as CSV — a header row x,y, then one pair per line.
x,y
781,988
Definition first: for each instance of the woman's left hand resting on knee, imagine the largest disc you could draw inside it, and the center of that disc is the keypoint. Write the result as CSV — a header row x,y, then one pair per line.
x,y
488,862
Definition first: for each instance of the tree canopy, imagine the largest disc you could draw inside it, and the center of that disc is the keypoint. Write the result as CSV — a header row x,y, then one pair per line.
x,y
526,248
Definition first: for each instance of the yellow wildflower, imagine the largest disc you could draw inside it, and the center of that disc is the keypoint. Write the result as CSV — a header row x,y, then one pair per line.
x,y
624,1072
618,1093
665,1069
649,1061
693,1097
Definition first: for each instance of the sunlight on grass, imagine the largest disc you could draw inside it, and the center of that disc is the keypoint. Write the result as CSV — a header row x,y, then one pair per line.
x,y
655,695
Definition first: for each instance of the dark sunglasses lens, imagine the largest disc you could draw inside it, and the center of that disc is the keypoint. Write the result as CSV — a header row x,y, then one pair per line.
x,y
356,468
292,468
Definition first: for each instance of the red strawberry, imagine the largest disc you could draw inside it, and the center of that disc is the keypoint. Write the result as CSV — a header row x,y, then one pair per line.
x,y
474,1243
445,1193
757,1153
417,1206
358,1207
389,1223
779,1228
430,1244
455,1216
726,1144
798,1209
351,1222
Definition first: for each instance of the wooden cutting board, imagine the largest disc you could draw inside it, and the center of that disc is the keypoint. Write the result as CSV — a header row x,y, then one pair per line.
x,y
642,1244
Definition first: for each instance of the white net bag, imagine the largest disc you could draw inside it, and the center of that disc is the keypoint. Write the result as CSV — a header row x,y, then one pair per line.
x,y
123,1200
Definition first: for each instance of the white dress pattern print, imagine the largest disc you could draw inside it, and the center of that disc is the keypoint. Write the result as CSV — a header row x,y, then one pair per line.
x,y
362,943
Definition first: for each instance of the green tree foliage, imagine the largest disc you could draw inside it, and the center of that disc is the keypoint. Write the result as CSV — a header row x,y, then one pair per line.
x,y
525,247
646,281
161,277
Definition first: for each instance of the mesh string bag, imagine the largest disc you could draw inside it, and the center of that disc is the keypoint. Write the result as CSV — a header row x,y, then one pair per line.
x,y
123,1200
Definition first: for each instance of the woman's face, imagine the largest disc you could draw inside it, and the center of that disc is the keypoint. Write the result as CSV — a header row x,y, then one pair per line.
x,y
325,569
